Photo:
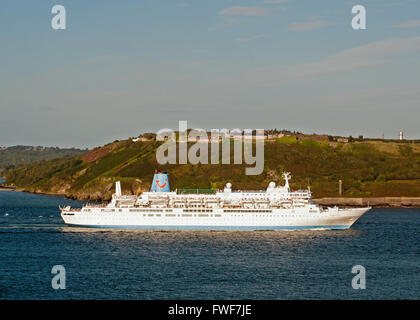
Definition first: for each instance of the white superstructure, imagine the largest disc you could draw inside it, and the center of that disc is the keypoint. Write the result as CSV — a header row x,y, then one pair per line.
x,y
277,207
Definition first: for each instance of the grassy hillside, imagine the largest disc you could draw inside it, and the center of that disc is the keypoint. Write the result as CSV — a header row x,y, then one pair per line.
x,y
366,168
14,156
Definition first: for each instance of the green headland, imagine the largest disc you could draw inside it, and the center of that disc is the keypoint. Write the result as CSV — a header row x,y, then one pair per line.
x,y
367,168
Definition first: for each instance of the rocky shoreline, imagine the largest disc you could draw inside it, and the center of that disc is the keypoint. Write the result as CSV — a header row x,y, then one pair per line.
x,y
376,202
7,188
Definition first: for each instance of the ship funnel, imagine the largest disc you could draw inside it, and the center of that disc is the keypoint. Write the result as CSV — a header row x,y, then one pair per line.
x,y
160,183
118,188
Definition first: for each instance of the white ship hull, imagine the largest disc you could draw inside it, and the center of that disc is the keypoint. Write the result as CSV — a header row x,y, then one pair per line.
x,y
217,219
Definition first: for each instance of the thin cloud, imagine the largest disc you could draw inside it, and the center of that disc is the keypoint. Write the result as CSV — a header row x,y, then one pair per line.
x,y
310,25
409,24
258,36
245,11
370,55
225,22
275,1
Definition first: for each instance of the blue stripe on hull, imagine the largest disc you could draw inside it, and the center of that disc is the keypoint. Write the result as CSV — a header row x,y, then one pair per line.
x,y
340,227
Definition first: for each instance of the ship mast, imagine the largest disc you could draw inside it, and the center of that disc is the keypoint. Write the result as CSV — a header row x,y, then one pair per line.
x,y
286,176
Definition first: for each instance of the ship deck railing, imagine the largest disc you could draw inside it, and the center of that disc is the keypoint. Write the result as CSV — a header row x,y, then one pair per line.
x,y
74,209
196,191
96,205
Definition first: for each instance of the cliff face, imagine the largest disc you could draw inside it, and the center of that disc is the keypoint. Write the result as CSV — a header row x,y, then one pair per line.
x,y
366,169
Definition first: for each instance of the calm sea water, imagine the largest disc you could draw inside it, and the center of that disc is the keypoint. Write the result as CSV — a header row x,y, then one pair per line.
x,y
115,264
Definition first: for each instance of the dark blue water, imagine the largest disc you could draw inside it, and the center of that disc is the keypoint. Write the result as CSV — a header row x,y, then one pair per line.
x,y
114,264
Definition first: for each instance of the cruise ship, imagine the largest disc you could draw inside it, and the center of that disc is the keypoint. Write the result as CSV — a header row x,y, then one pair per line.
x,y
276,208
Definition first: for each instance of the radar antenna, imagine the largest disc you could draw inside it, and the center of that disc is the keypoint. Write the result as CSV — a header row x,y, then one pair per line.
x,y
286,176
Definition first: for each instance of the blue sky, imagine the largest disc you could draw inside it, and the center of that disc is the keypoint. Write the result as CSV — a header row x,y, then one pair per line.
x,y
126,67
